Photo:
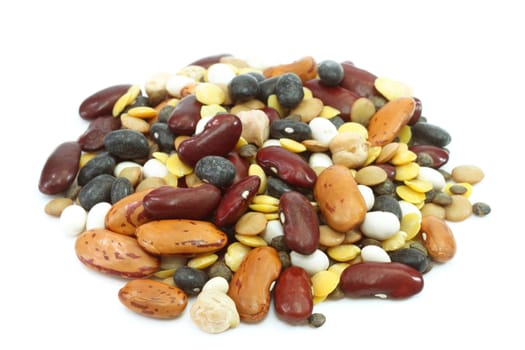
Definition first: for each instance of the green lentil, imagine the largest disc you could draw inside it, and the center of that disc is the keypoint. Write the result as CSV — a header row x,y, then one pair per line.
x,y
316,320
220,269
441,198
458,189
424,159
480,209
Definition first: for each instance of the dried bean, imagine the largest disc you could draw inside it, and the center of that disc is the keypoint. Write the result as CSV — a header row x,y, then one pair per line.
x,y
60,168
102,102
293,299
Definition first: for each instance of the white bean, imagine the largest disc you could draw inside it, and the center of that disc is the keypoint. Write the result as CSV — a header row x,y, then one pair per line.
x,y
380,225
433,176
374,253
73,220
154,168
323,130
368,195
312,263
273,229
96,215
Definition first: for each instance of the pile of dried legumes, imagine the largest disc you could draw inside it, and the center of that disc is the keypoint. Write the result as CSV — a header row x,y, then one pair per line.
x,y
240,186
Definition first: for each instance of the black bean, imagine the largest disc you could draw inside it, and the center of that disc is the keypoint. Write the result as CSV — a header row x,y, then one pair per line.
x,y
292,129
243,87
289,90
430,134
95,191
387,203
102,163
412,257
121,188
190,280
215,170
162,135
127,144
330,72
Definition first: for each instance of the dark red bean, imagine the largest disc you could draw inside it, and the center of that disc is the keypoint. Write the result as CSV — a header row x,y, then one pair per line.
x,y
93,138
272,114
439,155
60,169
196,203
395,280
389,169
209,60
236,200
359,81
293,299
336,96
241,165
300,222
185,116
417,112
101,102
218,138
286,165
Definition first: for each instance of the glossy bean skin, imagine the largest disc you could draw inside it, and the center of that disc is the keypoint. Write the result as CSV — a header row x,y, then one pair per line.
x,y
286,165
185,116
359,81
180,236
394,280
293,299
127,214
241,165
209,60
336,96
218,138
168,202
385,124
60,168
250,284
430,134
152,298
439,155
112,253
236,200
438,238
305,68
101,102
300,222
93,138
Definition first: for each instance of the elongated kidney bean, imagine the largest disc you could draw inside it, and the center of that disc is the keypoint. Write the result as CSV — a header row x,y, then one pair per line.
x,y
395,280
439,155
250,284
93,138
167,202
185,116
438,238
218,138
209,60
288,166
336,96
359,81
60,168
241,165
293,299
300,222
236,199
101,102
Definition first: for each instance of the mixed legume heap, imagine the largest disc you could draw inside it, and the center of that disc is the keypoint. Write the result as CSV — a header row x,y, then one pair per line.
x,y
240,186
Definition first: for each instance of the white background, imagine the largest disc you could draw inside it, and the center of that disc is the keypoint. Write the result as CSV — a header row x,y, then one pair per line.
x,y
463,59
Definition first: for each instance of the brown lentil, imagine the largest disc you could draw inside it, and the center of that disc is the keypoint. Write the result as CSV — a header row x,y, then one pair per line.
x,y
480,209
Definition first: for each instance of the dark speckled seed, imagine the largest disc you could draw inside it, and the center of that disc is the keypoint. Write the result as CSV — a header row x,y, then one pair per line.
x,y
102,163
165,113
95,191
480,209
289,90
457,189
285,259
121,188
279,243
330,72
248,151
190,280
424,159
316,320
387,187
220,269
215,170
441,198
127,144
161,133
387,203
243,87
292,129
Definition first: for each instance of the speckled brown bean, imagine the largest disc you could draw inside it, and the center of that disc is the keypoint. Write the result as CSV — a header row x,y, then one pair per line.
x,y
438,238
101,102
395,280
153,298
250,284
115,254
60,168
180,236
300,222
305,68
293,299
128,213
385,125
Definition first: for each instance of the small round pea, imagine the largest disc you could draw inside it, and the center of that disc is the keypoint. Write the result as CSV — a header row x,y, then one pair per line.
x,y
316,320
480,209
330,72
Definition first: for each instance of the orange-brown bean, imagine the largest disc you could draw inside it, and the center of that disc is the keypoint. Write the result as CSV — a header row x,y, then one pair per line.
x,y
128,213
305,68
250,284
438,238
153,298
115,254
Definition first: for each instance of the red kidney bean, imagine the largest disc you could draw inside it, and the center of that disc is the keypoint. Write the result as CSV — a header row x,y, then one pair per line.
x,y
439,155
241,165
60,168
272,114
417,112
335,96
395,280
389,169
293,299
209,60
286,165
218,138
167,202
93,138
359,81
101,102
300,222
185,116
236,199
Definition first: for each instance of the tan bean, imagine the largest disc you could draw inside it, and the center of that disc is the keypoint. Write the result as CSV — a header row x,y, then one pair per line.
x,y
115,254
467,173
250,285
153,298
459,209
330,237
55,206
438,238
